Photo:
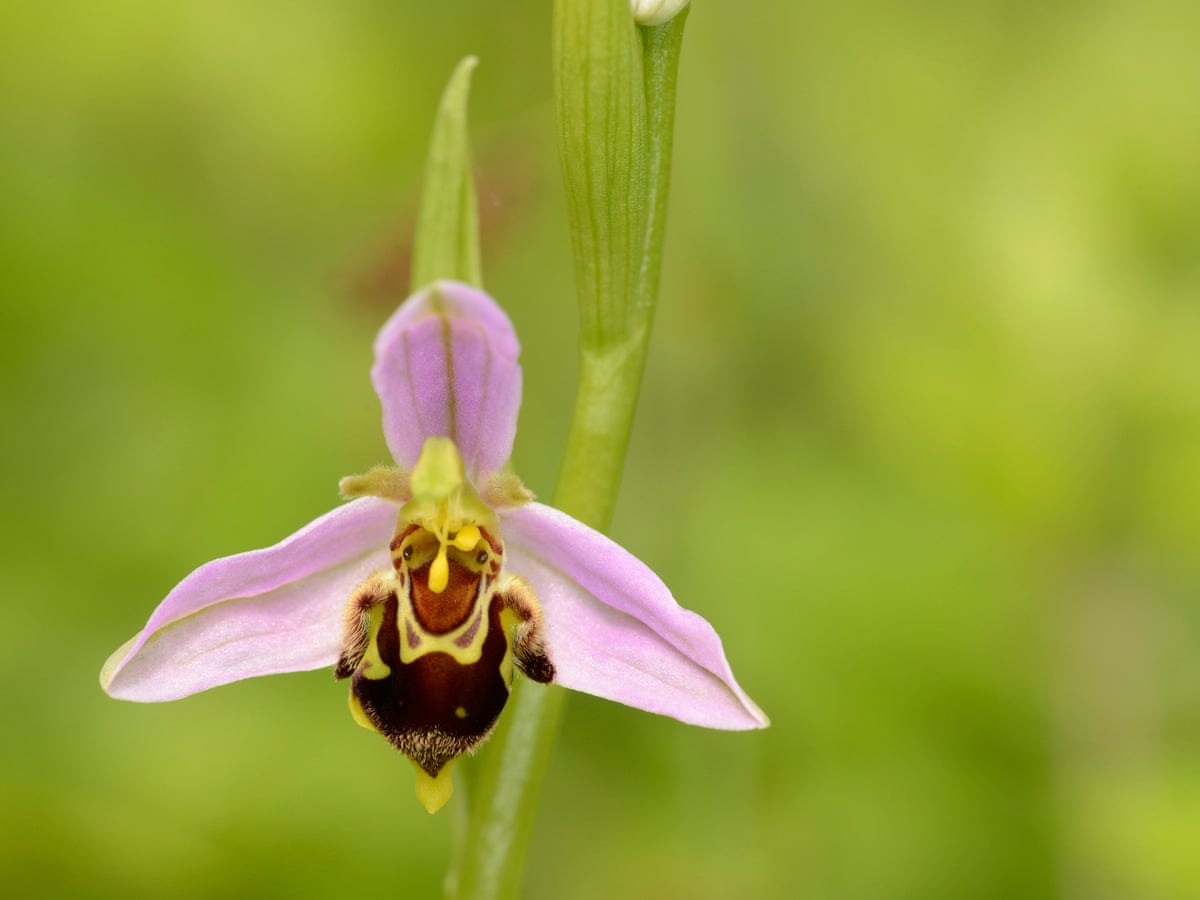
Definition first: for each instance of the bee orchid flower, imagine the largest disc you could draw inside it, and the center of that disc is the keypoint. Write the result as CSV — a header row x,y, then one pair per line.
x,y
439,576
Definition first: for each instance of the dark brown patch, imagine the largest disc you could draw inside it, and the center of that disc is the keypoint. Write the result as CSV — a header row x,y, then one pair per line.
x,y
415,706
347,662
534,663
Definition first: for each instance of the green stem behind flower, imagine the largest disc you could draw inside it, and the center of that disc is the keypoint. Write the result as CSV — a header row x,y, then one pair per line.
x,y
615,84
617,261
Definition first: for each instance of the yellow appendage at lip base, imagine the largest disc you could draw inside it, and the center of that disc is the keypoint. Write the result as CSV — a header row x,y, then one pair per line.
x,y
433,792
439,571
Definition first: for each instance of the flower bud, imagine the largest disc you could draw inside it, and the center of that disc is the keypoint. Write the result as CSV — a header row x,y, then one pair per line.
x,y
656,12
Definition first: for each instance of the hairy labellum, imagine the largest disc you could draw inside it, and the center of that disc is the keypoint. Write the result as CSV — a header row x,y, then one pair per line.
x,y
430,646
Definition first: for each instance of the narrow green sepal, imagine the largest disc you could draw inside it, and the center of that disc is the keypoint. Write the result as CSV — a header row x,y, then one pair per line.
x,y
446,243
504,491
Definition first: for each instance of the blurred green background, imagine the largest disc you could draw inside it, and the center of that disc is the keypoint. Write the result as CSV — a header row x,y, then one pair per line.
x,y
920,435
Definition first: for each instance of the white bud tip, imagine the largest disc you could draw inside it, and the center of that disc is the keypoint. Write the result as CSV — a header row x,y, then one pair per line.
x,y
655,12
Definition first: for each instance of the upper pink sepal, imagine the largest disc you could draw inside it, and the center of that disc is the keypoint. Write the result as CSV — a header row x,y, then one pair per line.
x,y
446,366
256,613
614,630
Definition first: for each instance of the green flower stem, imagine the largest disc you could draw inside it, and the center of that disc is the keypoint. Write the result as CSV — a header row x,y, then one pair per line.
x,y
615,84
609,380
505,786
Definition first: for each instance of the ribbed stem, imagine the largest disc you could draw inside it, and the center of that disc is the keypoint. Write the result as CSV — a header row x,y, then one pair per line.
x,y
615,85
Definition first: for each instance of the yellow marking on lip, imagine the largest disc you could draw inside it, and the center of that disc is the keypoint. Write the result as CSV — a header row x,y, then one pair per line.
x,y
356,711
509,622
446,643
373,667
